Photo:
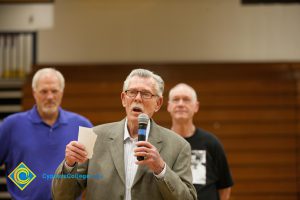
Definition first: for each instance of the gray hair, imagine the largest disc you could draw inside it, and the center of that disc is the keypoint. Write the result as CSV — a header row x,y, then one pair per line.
x,y
194,94
144,73
44,71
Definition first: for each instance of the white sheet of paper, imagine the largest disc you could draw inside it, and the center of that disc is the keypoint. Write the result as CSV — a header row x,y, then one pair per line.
x,y
87,137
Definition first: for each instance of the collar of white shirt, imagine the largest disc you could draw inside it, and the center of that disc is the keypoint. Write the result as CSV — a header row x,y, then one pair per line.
x,y
127,135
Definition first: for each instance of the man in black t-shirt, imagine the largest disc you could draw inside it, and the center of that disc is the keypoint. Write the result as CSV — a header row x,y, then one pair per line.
x,y
211,174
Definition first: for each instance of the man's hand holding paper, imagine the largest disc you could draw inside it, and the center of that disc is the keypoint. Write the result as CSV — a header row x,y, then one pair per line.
x,y
81,150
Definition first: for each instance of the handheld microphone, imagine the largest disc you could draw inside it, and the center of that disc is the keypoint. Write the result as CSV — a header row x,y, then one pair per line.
x,y
143,121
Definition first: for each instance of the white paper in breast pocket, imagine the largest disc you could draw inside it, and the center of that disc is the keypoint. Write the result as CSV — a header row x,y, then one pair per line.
x,y
87,137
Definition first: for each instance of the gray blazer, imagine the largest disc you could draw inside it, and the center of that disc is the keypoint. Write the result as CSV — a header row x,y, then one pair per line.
x,y
108,161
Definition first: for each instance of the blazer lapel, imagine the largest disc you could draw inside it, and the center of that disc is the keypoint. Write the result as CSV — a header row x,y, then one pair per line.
x,y
117,149
155,139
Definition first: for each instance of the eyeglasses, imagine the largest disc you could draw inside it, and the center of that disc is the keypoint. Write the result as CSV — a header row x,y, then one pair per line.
x,y
144,94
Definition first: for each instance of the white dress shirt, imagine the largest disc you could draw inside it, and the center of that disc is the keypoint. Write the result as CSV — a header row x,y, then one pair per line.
x,y
130,159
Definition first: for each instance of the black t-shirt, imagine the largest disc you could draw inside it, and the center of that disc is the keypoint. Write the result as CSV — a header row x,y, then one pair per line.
x,y
209,165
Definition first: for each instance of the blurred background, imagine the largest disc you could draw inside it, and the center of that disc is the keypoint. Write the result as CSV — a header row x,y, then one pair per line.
x,y
242,57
